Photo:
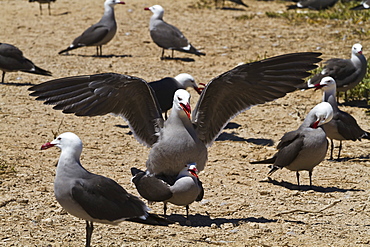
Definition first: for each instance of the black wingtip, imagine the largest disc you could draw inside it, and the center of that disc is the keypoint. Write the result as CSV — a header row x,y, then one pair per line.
x,y
292,7
153,219
359,7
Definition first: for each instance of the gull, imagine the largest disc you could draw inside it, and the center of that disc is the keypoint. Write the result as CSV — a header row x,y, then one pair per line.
x,y
100,33
304,148
92,197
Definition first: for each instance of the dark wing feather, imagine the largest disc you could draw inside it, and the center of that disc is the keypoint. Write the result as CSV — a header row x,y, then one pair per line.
x,y
91,36
348,126
246,85
168,36
289,147
150,187
104,199
100,94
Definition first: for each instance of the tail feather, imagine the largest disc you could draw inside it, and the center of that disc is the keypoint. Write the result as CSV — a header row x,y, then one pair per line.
x,y
152,219
273,169
292,7
366,135
69,49
359,7
38,71
266,161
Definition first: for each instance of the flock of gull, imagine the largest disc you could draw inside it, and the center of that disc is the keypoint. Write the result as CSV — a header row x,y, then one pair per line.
x,y
179,141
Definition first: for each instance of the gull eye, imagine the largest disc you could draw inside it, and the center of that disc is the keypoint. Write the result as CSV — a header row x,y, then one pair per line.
x,y
179,98
59,138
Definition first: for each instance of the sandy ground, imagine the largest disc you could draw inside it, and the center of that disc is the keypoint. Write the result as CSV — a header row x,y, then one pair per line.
x,y
239,208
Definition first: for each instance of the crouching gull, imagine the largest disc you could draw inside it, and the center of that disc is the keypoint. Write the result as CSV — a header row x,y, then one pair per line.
x,y
343,126
42,2
12,60
304,148
165,89
314,4
346,72
180,139
181,190
92,197
100,33
167,36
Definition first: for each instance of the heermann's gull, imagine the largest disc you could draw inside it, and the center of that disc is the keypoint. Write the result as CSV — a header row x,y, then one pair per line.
x,y
42,2
304,148
181,190
346,72
100,33
12,60
343,126
167,36
165,89
92,197
314,4
364,5
178,141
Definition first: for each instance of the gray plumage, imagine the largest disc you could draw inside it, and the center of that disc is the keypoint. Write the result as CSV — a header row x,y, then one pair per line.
x,y
179,140
12,60
181,190
314,4
343,126
346,72
168,36
42,2
304,148
92,197
165,89
100,33
364,5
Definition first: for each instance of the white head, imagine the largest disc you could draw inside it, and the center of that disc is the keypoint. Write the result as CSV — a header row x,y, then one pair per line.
x,y
157,10
181,102
186,81
357,49
323,113
66,141
189,169
326,84
111,3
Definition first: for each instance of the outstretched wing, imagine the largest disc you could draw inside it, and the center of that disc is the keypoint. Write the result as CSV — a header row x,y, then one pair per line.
x,y
246,85
100,94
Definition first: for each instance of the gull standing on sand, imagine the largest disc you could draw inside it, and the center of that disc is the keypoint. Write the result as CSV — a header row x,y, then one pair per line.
x,y
167,36
304,148
100,33
92,197
343,126
12,60
346,72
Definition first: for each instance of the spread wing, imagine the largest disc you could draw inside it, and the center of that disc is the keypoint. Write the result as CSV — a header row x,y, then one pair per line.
x,y
246,85
100,94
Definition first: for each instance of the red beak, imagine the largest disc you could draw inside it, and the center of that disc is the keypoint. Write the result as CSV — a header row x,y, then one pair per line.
x,y
121,3
315,125
47,145
194,172
186,108
146,9
318,86
199,90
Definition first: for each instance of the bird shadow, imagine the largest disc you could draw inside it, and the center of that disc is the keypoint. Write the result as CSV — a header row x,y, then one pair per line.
x,y
232,126
63,13
182,59
356,103
352,159
199,220
321,189
232,137
232,9
102,56
17,84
